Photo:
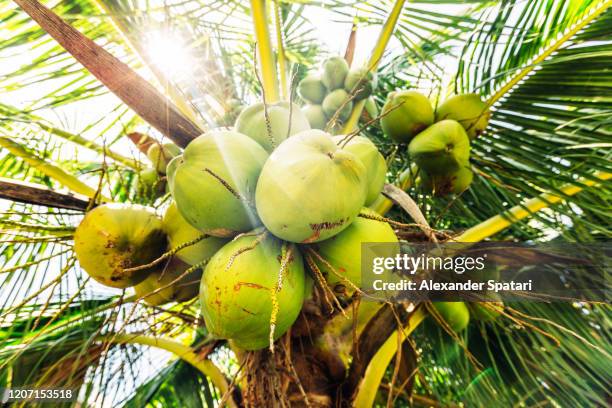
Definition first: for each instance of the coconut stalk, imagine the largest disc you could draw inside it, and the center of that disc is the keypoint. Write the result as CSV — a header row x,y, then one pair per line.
x,y
375,57
267,64
57,174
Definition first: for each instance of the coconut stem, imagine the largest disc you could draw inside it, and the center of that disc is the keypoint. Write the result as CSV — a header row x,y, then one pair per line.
x,y
285,259
168,254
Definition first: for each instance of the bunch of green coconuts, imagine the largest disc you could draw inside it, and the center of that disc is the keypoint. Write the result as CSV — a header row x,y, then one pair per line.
x,y
262,210
438,141
331,93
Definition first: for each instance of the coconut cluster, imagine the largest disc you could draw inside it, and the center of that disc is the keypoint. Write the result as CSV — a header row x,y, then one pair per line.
x,y
438,140
330,93
257,211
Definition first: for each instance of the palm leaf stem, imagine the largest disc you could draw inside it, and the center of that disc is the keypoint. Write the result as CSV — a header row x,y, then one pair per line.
x,y
375,57
57,174
498,222
548,51
29,193
264,46
186,353
280,49
378,366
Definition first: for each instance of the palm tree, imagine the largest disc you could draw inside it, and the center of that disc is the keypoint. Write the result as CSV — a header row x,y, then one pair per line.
x,y
89,76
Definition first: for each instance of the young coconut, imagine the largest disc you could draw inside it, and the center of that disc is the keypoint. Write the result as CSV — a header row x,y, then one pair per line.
x,y
310,189
162,281
441,149
343,252
284,119
371,108
335,70
240,290
213,183
374,162
360,82
467,109
161,154
315,115
335,101
455,314
311,89
180,232
114,237
441,185
150,185
405,114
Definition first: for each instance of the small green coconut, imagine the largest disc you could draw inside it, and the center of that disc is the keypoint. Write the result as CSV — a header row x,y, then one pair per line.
x,y
374,162
180,232
441,149
405,114
334,72
161,154
316,116
284,119
371,108
240,283
213,183
150,184
343,252
114,237
441,185
455,314
467,109
160,287
361,83
311,89
338,101
310,189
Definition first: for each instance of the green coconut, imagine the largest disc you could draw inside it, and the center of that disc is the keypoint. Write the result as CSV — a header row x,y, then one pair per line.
x,y
374,162
455,314
315,115
360,82
114,237
311,89
238,286
371,108
161,154
310,189
405,114
441,185
441,149
160,287
343,252
467,109
334,72
284,119
213,183
180,232
337,101
150,184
